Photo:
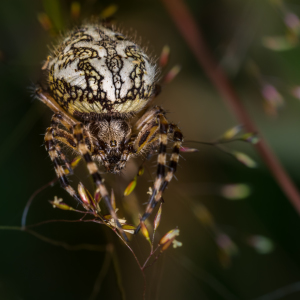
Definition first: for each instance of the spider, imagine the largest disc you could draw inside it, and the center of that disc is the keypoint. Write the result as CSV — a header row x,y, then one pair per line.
x,y
99,87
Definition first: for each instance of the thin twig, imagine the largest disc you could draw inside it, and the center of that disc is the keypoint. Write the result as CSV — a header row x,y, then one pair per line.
x,y
138,262
26,209
67,246
77,247
154,261
187,26
62,221
151,254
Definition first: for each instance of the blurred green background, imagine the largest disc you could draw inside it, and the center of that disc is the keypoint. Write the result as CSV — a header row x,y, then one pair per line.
x,y
256,42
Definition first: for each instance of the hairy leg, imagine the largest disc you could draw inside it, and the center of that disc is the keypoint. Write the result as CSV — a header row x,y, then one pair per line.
x,y
94,172
154,125
51,147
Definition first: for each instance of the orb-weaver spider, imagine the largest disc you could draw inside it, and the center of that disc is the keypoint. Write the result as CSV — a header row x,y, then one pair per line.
x,y
100,85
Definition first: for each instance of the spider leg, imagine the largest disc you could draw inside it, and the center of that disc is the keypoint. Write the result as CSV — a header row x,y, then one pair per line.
x,y
126,155
65,118
71,123
60,117
177,139
63,158
63,136
51,147
94,172
161,161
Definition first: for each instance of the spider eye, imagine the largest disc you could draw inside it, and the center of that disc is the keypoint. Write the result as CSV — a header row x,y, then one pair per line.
x,y
113,143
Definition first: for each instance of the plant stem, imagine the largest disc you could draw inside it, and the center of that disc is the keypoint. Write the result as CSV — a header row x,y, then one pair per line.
x,y
26,209
137,261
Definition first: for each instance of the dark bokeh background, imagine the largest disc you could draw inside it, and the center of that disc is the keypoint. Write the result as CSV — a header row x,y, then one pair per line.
x,y
31,268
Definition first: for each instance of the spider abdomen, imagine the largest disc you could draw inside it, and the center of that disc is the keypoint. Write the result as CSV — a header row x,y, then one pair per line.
x,y
97,70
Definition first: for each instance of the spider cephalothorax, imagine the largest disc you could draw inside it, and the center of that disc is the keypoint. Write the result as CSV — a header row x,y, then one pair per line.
x,y
99,86
109,142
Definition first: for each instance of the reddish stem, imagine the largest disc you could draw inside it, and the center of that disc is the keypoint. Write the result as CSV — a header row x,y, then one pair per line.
x,y
192,34
150,255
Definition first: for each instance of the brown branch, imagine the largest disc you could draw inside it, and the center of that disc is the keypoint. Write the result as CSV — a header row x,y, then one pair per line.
x,y
192,34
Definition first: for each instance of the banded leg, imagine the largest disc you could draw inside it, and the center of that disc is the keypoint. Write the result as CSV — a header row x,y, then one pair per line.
x,y
56,120
161,161
63,158
178,139
51,147
94,172
60,115
66,138
59,118
126,155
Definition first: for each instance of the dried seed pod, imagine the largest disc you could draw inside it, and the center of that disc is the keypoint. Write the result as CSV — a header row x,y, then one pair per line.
x,y
141,171
75,162
170,236
131,186
145,232
62,206
157,218
128,228
97,196
59,204
86,197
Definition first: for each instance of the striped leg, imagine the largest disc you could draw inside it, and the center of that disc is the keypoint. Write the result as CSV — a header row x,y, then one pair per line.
x,y
178,139
93,170
64,159
51,147
161,161
126,155
56,120
66,138
59,118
